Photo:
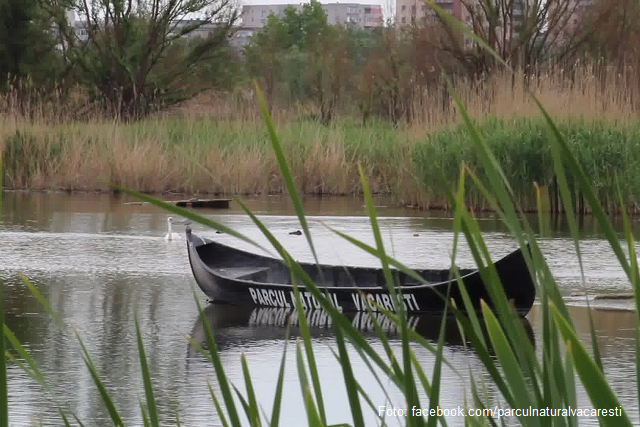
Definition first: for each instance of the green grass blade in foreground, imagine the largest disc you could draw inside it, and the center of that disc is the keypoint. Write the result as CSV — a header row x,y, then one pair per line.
x,y
573,165
143,410
593,380
253,414
570,387
434,396
216,403
277,399
42,300
312,413
4,395
354,335
104,395
306,338
510,366
410,390
457,229
146,376
349,379
635,285
192,216
223,382
361,390
284,169
243,401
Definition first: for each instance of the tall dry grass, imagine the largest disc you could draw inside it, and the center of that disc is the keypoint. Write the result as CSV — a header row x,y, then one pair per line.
x,y
217,144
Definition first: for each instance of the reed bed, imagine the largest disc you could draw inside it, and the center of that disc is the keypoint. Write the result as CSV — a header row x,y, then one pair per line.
x,y
218,145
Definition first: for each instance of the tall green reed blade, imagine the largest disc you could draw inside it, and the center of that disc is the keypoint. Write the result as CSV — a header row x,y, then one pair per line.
x,y
193,217
349,379
104,395
478,345
508,360
243,402
360,390
297,204
570,385
277,399
434,396
217,364
635,285
410,390
384,341
146,376
599,391
457,229
143,411
308,347
354,335
4,395
479,250
253,414
284,169
572,163
312,413
216,403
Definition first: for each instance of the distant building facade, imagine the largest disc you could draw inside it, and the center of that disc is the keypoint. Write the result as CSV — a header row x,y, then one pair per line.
x,y
239,36
410,11
362,15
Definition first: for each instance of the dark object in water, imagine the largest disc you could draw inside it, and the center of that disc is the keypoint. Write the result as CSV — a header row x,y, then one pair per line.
x,y
296,233
232,276
202,203
613,297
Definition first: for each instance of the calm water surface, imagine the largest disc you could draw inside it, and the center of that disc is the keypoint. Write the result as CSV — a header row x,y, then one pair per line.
x,y
96,259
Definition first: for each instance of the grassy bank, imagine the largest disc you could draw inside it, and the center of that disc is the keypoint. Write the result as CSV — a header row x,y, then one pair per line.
x,y
219,145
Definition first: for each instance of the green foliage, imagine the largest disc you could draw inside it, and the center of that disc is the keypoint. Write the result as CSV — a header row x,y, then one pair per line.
x,y
27,47
603,151
137,61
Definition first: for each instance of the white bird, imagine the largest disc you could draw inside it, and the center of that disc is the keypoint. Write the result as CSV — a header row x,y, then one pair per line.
x,y
170,234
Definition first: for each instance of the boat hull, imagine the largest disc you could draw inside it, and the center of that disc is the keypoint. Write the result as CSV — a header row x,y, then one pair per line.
x,y
351,289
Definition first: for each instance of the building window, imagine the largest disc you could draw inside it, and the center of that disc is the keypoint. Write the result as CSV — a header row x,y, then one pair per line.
x,y
367,10
413,9
404,7
262,21
424,7
404,20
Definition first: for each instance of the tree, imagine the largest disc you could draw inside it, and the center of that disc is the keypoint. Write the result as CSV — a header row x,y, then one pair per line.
x,y
522,32
125,59
27,48
265,54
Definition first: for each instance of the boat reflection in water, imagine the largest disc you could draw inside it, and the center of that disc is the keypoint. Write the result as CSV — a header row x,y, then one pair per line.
x,y
238,326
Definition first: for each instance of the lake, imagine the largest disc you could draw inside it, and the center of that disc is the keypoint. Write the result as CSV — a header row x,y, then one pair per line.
x,y
97,258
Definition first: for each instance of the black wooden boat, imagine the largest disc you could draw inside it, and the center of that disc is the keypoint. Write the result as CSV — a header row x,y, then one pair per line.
x,y
232,276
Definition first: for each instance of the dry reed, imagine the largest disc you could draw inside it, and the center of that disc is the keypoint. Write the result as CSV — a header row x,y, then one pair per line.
x,y
218,144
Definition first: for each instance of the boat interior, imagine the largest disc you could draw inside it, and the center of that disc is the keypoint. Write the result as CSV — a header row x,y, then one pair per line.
x,y
239,265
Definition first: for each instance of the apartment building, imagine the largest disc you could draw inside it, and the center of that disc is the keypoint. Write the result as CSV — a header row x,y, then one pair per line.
x,y
363,15
409,11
